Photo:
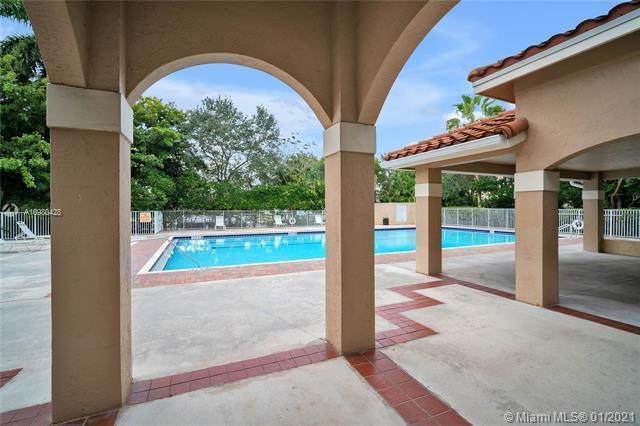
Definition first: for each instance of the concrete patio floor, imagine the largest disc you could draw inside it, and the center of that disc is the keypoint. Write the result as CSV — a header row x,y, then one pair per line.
x,y
492,355
192,326
328,393
505,354
602,284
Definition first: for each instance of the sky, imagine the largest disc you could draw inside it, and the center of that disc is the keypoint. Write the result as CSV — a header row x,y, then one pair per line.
x,y
472,34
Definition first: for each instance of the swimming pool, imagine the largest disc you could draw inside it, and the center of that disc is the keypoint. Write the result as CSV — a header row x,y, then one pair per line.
x,y
193,252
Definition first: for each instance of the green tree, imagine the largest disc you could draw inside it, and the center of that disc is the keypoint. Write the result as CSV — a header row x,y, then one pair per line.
x,y
622,193
471,109
479,191
457,190
235,147
24,146
494,192
394,185
28,61
302,177
160,155
569,197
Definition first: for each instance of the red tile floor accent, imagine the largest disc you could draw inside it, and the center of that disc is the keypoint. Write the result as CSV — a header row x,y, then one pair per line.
x,y
406,395
164,387
6,376
410,399
407,329
595,318
35,415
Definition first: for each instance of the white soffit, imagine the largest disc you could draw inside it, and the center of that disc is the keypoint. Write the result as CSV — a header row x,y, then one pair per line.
x,y
453,152
598,36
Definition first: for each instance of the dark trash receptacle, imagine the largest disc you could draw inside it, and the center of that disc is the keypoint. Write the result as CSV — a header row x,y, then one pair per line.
x,y
385,220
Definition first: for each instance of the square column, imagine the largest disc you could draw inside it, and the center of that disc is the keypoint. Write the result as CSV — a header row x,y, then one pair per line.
x,y
91,133
537,237
350,285
592,202
428,221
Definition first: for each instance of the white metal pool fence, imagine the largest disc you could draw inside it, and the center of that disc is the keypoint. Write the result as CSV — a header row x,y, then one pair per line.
x,y
623,223
237,219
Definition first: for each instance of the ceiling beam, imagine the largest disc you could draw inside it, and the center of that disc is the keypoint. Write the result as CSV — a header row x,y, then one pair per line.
x,y
620,174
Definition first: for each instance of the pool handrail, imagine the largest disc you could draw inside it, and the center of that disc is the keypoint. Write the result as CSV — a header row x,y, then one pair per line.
x,y
182,251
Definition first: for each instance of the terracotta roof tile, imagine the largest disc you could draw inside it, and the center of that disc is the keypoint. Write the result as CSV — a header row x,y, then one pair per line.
x,y
582,27
504,123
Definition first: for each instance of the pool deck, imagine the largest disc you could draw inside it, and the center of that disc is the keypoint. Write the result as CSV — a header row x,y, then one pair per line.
x,y
204,350
145,249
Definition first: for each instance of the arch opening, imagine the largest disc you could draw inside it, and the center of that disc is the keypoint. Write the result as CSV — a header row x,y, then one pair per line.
x,y
235,59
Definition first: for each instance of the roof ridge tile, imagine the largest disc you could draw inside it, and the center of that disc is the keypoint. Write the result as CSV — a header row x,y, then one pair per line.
x,y
506,123
584,26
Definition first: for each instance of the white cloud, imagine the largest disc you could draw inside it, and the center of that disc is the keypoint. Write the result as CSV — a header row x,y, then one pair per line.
x,y
410,101
416,98
461,42
291,111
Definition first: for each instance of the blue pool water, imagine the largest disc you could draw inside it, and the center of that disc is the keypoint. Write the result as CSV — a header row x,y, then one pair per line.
x,y
247,249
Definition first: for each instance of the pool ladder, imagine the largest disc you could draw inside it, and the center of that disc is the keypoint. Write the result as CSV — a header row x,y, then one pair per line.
x,y
182,251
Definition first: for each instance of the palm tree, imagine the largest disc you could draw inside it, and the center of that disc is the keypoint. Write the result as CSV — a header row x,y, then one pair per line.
x,y
24,47
466,110
466,114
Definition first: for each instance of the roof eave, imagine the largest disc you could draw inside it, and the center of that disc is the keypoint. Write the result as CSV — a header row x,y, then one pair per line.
x,y
496,84
453,154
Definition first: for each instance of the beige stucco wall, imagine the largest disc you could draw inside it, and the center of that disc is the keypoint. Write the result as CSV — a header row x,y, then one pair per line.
x,y
90,272
350,282
623,246
537,247
579,103
389,210
340,57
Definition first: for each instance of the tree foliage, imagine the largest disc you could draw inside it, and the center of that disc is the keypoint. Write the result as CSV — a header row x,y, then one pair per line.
x,y
23,47
622,193
161,158
394,186
473,108
237,148
24,146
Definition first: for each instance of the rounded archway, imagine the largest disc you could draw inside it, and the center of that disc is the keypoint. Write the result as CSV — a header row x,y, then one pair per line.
x,y
236,59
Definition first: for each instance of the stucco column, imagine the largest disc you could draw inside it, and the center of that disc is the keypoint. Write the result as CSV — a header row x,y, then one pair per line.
x,y
350,288
537,237
428,221
91,133
592,199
